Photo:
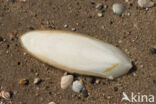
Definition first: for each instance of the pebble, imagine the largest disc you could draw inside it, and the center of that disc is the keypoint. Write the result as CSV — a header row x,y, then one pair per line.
x,y
84,93
91,80
120,41
99,6
153,50
51,103
141,66
6,95
65,26
127,1
66,81
115,89
31,28
23,81
103,27
37,81
52,26
100,14
118,8
105,6
1,39
97,81
12,1
73,29
77,86
145,3
128,14
134,74
22,1
154,81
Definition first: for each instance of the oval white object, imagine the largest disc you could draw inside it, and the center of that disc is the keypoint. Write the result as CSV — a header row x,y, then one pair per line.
x,y
76,53
66,81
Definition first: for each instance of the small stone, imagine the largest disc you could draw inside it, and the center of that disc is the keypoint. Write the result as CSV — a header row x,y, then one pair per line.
x,y
145,3
51,103
31,28
66,81
37,81
77,86
147,9
12,1
115,89
65,74
100,14
134,74
103,27
105,6
73,29
153,50
24,53
97,81
22,1
118,8
65,26
120,41
109,97
127,1
99,6
11,37
52,26
1,39
128,14
141,66
23,81
90,80
84,93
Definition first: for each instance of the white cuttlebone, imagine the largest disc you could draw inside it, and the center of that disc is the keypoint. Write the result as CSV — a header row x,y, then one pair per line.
x,y
76,53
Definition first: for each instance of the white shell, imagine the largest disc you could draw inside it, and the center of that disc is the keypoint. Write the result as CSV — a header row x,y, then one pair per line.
x,y
77,86
66,81
5,95
76,53
51,103
145,3
118,8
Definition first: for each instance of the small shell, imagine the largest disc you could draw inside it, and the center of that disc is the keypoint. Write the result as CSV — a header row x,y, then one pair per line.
x,y
51,103
77,86
118,8
66,81
145,3
5,95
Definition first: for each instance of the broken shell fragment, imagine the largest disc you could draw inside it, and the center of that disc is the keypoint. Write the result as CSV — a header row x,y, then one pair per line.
x,y
76,53
66,81
5,95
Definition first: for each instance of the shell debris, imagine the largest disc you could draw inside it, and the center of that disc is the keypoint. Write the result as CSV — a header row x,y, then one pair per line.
x,y
6,95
